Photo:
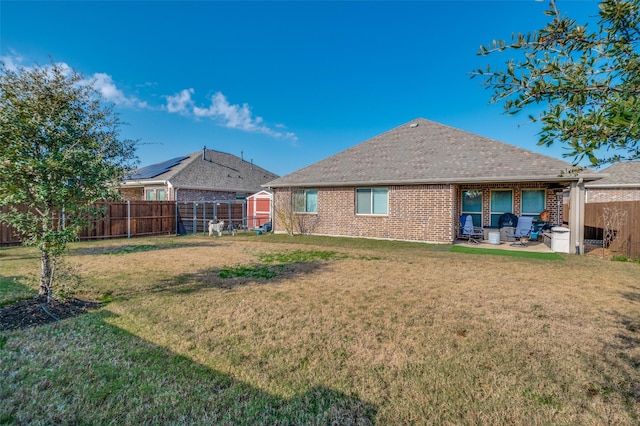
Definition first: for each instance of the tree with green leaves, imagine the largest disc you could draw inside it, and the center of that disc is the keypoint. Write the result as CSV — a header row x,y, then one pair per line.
x,y
59,153
583,85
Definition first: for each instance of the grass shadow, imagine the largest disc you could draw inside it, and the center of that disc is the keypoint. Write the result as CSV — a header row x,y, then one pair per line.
x,y
633,295
12,290
271,268
232,277
124,247
623,357
103,374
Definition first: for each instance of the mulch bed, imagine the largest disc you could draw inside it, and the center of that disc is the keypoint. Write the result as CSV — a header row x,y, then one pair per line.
x,y
36,311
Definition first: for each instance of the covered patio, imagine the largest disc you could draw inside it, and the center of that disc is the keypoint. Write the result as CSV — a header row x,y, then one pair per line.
x,y
537,246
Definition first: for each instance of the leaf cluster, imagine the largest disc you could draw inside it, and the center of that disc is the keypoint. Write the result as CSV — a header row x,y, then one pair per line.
x,y
587,82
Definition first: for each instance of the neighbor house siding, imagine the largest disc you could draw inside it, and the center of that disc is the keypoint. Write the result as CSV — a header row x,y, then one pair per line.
x,y
415,213
606,195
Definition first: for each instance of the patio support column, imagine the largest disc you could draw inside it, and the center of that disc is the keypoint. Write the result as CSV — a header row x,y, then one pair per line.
x,y
576,215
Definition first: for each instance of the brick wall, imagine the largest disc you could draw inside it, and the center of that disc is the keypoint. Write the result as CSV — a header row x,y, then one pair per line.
x,y
416,213
132,194
605,195
428,213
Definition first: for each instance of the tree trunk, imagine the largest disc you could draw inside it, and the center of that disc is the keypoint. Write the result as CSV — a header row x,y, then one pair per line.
x,y
45,276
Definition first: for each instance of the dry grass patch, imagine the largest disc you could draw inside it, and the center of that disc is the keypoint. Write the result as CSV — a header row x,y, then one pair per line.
x,y
388,333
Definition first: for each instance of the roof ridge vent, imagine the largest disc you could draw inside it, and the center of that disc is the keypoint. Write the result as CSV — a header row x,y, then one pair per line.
x,y
413,125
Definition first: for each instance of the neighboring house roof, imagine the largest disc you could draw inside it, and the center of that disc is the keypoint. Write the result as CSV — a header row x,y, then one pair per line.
x,y
205,170
422,151
619,175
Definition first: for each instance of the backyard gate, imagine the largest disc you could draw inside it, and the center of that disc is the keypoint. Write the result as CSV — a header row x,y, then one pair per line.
x,y
193,217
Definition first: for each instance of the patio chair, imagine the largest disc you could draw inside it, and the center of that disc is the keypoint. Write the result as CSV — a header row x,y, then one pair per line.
x,y
523,230
469,231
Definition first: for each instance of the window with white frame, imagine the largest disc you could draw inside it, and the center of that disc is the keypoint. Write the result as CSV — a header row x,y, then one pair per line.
x,y
533,202
372,201
472,205
501,203
155,195
305,201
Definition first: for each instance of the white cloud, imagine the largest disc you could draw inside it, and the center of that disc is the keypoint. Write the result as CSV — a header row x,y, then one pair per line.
x,y
181,102
13,62
104,84
233,116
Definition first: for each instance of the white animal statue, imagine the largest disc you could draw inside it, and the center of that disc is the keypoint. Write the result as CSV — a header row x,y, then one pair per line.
x,y
216,227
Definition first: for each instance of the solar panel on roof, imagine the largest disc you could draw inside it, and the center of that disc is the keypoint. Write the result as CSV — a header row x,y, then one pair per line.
x,y
156,169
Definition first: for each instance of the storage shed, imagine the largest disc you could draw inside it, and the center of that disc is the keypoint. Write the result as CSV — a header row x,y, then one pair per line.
x,y
259,209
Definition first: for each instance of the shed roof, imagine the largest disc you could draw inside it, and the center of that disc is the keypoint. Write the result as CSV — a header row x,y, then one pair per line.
x,y
423,151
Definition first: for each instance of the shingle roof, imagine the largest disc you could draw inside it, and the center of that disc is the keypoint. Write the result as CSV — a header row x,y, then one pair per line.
x,y
422,151
625,174
217,171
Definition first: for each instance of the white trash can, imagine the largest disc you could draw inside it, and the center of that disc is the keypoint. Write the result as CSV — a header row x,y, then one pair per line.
x,y
560,239
494,237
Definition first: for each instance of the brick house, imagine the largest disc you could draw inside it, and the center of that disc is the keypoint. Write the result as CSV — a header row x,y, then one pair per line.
x,y
621,183
413,182
206,175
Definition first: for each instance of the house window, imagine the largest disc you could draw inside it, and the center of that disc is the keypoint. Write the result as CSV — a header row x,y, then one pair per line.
x,y
305,201
151,195
372,201
501,203
160,195
472,205
533,202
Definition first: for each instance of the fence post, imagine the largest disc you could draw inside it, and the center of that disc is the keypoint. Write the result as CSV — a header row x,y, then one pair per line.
x,y
195,217
128,218
204,217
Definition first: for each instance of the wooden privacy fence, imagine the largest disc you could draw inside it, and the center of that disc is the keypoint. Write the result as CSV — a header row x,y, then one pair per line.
x,y
120,220
8,236
132,219
614,225
145,218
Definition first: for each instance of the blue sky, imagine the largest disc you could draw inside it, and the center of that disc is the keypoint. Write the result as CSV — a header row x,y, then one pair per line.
x,y
284,84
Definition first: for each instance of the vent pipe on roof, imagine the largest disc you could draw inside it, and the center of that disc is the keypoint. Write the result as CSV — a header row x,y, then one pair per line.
x,y
242,155
413,125
204,151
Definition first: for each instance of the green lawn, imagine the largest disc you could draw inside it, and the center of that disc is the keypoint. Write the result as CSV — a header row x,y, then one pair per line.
x,y
307,330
